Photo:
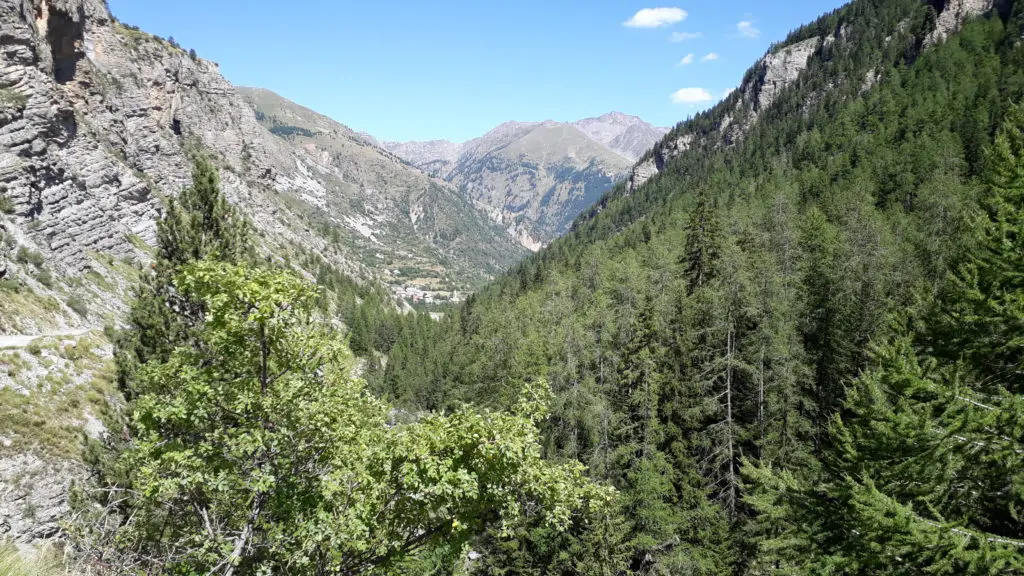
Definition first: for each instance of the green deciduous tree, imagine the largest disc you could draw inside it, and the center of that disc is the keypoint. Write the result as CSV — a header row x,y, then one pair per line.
x,y
256,450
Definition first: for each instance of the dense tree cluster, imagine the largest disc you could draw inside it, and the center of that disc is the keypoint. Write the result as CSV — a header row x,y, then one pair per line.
x,y
253,448
798,353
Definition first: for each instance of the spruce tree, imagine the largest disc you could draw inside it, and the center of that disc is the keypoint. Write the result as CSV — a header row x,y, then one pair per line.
x,y
923,473
198,224
702,249
982,318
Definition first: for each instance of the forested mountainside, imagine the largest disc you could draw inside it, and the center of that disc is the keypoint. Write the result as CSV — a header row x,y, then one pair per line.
x,y
792,341
98,124
534,178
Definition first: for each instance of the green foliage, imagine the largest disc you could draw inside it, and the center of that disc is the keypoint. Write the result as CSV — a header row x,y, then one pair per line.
x,y
26,256
718,314
198,224
6,206
926,457
285,131
798,353
255,448
14,564
9,97
78,304
45,277
983,322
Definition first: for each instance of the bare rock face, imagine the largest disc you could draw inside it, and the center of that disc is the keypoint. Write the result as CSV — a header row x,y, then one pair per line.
x,y
34,496
775,72
101,120
55,174
779,70
646,169
98,123
953,16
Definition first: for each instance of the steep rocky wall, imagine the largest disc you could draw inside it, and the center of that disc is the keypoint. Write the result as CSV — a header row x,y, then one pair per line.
x,y
76,196
98,121
954,13
98,124
772,74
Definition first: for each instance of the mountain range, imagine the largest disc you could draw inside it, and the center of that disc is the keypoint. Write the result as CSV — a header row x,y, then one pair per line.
x,y
534,178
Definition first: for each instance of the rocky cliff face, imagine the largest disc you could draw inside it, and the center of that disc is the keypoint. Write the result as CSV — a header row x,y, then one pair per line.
x,y
534,178
777,71
97,124
953,13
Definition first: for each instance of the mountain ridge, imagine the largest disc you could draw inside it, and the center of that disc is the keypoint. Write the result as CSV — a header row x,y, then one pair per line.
x,y
534,178
98,124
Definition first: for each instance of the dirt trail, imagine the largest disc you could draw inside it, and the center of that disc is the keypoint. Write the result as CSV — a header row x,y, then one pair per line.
x,y
21,341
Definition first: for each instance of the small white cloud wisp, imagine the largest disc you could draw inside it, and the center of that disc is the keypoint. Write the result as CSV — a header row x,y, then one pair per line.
x,y
656,18
687,60
747,30
684,36
709,57
691,96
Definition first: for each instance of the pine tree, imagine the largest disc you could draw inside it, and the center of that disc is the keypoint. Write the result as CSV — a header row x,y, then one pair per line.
x,y
982,319
198,224
924,467
702,249
922,475
826,321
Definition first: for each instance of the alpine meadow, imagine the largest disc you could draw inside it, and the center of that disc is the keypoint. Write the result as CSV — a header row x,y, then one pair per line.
x,y
784,336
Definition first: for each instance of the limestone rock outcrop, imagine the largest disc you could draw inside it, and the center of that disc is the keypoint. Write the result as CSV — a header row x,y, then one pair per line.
x,y
98,124
954,14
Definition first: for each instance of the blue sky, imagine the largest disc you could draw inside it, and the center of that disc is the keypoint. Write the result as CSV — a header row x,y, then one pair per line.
x,y
447,69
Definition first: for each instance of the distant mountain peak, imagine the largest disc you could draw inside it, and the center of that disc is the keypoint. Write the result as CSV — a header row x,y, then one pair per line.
x,y
534,178
616,116
627,135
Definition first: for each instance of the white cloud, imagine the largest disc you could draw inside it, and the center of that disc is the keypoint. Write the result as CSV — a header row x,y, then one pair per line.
x,y
709,57
688,59
656,17
747,30
684,36
727,93
691,96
